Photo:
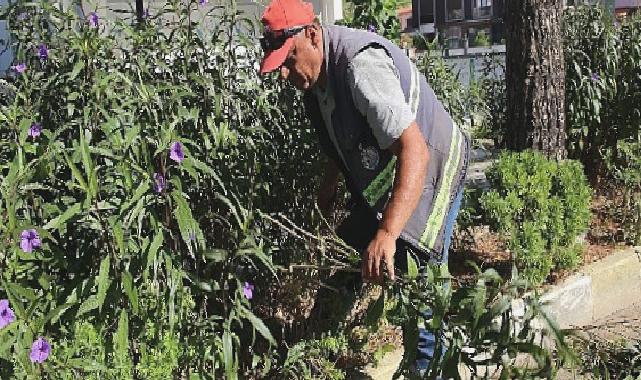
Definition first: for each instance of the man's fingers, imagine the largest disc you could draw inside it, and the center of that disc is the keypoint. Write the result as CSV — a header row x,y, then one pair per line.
x,y
376,269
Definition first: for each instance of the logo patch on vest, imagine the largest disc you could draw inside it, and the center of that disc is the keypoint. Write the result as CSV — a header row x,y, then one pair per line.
x,y
369,157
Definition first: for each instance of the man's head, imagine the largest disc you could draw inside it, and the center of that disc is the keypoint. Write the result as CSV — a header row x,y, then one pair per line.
x,y
292,42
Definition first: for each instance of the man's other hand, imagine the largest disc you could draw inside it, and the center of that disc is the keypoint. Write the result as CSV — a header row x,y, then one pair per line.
x,y
381,248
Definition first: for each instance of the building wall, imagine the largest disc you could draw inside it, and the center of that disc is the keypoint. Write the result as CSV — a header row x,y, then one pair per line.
x,y
6,55
470,24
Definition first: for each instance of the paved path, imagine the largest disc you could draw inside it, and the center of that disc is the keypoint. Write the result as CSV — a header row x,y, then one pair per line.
x,y
624,324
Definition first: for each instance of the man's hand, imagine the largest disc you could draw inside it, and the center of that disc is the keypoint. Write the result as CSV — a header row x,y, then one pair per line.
x,y
381,248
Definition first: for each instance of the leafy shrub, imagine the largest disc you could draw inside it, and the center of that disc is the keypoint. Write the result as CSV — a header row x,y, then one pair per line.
x,y
541,206
486,322
493,91
625,164
603,59
314,359
462,103
133,163
481,39
375,15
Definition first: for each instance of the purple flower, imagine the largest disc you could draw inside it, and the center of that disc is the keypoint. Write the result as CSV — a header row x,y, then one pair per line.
x,y
595,77
22,16
203,2
40,350
43,52
93,19
371,28
176,152
145,14
192,236
19,68
160,183
29,240
35,130
6,314
248,290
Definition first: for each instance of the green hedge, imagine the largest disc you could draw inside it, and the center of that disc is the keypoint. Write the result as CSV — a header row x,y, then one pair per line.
x,y
541,207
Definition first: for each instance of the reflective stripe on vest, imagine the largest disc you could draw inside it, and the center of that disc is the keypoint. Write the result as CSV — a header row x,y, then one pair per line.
x,y
437,216
384,181
381,184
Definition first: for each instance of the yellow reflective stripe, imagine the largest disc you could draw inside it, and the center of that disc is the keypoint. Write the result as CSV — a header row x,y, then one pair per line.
x,y
381,184
437,216
416,89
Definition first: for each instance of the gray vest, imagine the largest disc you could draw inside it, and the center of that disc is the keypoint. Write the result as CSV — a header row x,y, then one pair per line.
x,y
369,170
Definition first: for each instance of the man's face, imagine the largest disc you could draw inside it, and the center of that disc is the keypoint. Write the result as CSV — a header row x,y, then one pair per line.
x,y
303,64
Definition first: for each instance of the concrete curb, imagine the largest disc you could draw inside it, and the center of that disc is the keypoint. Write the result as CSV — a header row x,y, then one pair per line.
x,y
598,290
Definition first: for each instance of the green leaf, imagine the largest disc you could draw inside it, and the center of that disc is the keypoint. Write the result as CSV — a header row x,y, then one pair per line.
x,y
130,290
103,281
76,173
153,249
14,301
119,237
25,293
60,220
89,166
140,191
412,268
259,325
56,313
91,303
122,357
229,358
186,222
76,69
216,255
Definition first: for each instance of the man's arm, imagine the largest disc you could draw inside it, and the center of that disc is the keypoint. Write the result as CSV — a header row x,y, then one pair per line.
x,y
376,89
413,157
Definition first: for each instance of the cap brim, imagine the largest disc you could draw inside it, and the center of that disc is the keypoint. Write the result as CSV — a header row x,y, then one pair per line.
x,y
275,58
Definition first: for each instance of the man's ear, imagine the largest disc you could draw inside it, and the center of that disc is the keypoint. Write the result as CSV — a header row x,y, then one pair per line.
x,y
313,32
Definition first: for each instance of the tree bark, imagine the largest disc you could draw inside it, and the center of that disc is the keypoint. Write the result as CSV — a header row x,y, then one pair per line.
x,y
535,75
140,11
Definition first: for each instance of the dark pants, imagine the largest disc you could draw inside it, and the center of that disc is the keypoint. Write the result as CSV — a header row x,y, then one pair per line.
x,y
359,229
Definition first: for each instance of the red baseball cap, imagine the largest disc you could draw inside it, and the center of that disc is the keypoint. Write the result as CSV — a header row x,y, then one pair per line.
x,y
280,15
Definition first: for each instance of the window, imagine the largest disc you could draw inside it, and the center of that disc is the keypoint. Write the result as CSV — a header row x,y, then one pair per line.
x,y
454,10
426,11
482,9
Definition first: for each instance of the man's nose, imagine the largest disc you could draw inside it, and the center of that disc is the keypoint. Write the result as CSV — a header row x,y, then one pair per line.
x,y
284,73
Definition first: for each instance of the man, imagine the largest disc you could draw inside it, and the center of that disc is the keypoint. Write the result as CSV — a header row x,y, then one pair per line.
x,y
382,127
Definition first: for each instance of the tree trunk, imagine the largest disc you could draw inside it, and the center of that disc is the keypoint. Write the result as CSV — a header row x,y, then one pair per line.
x,y
535,75
140,11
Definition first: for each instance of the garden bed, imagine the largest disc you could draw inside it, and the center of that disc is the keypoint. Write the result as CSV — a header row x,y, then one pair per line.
x,y
488,250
